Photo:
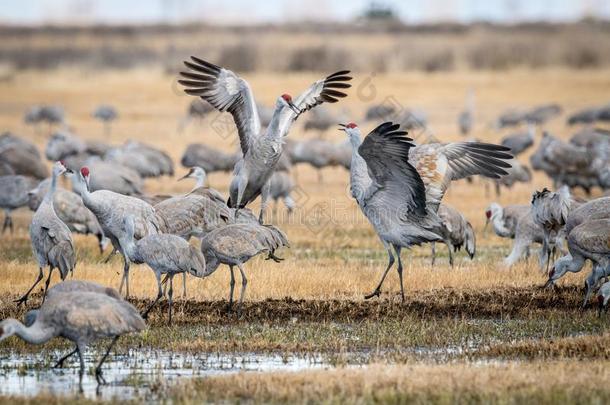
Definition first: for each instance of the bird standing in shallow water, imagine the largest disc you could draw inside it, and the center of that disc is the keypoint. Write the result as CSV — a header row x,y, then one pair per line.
x,y
81,317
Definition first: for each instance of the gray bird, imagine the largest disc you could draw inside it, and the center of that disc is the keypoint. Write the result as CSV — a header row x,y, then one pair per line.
x,y
70,209
146,160
280,187
52,243
106,114
22,157
210,159
82,318
399,186
460,230
235,244
504,219
517,173
112,176
550,210
603,297
63,144
510,118
200,176
520,142
466,117
527,233
164,254
14,194
261,150
587,241
318,153
51,114
379,112
111,208
542,113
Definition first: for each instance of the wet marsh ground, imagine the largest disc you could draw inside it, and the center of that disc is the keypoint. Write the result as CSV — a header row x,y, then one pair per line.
x,y
477,332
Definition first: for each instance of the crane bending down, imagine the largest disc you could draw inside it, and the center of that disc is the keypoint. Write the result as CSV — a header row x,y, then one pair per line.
x,y
399,186
261,150
81,317
164,254
51,239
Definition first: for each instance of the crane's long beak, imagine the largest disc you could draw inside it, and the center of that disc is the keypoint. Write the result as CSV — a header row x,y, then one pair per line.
x,y
341,127
294,107
186,176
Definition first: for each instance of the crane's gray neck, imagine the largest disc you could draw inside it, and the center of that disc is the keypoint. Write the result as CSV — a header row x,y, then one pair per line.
x,y
48,197
34,334
359,176
497,220
199,181
128,243
273,130
80,187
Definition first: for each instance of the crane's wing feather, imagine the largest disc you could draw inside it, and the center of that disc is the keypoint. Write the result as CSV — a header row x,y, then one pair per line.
x,y
438,165
226,91
395,181
328,89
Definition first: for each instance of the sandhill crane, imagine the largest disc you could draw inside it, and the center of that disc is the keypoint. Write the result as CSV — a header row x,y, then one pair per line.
x,y
517,173
14,194
146,160
399,186
603,297
504,219
164,254
209,158
111,208
82,318
51,114
319,153
550,210
320,119
466,117
527,233
520,142
281,185
235,244
52,243
22,157
228,92
460,230
62,144
588,240
590,115
113,177
197,109
106,113
542,113
379,112
590,137
510,118
199,174
70,209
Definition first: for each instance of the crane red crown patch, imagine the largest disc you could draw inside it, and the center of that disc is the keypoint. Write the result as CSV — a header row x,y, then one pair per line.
x,y
351,125
287,97
84,171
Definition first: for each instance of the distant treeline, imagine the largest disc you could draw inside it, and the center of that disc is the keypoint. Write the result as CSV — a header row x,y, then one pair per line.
x,y
378,46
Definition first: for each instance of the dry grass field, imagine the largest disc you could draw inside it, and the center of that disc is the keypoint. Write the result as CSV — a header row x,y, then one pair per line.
x,y
516,341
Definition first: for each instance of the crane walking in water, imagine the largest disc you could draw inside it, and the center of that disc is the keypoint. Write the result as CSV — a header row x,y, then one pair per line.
x,y
81,317
261,150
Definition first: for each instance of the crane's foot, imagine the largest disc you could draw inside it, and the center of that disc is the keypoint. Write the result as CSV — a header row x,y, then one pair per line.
x,y
375,293
21,300
274,258
99,377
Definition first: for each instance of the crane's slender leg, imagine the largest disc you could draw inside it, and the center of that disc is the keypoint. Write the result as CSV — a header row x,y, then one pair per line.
x,y
170,295
450,251
244,283
7,220
232,284
164,284
98,370
264,200
60,362
24,298
46,284
377,291
10,224
100,243
106,260
125,276
398,248
159,295
433,252
81,372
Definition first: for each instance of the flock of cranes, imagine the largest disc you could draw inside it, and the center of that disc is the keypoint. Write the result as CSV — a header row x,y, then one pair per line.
x,y
398,185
